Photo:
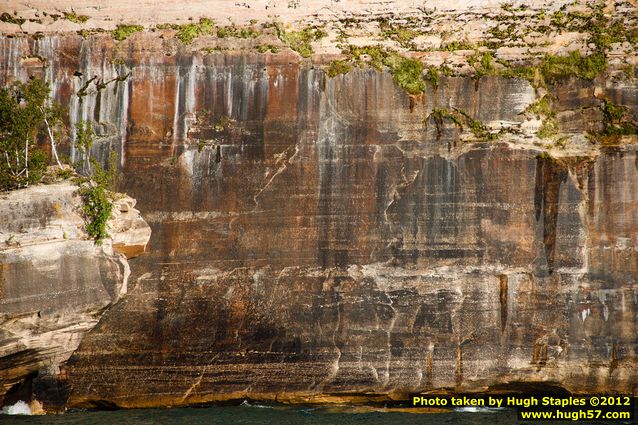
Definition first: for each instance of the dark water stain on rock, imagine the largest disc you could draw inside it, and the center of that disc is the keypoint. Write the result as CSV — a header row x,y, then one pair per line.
x,y
503,300
550,174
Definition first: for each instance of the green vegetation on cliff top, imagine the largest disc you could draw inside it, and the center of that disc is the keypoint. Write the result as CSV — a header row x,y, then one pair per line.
x,y
27,114
406,72
123,31
300,41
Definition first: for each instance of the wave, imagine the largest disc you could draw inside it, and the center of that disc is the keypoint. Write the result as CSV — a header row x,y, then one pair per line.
x,y
19,408
473,409
258,406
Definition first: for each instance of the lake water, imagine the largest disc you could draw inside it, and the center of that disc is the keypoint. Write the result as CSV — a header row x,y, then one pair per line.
x,y
253,414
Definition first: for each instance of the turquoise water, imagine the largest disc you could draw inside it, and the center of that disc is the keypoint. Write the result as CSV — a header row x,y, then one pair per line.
x,y
259,414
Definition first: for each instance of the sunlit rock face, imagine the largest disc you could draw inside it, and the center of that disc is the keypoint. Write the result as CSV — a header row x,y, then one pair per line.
x,y
314,240
55,283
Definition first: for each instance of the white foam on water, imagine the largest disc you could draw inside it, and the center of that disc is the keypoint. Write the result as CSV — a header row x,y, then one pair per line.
x,y
259,406
474,409
20,408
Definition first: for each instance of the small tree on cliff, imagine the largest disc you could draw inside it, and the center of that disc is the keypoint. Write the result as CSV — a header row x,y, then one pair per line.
x,y
26,113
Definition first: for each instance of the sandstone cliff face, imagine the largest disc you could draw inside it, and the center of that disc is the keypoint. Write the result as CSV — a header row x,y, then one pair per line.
x,y
314,240
55,283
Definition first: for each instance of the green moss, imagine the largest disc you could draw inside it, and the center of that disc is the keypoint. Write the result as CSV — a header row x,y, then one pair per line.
x,y
85,33
65,173
529,73
554,68
457,45
376,55
337,67
211,50
300,41
10,19
433,75
122,31
602,30
561,142
613,113
439,115
188,32
263,48
407,73
508,7
506,33
233,31
460,119
544,110
481,131
548,129
542,107
444,69
166,26
399,33
483,64
617,120
221,124
551,68
75,18
629,71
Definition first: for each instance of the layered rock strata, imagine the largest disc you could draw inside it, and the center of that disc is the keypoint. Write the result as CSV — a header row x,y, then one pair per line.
x,y
329,239
55,283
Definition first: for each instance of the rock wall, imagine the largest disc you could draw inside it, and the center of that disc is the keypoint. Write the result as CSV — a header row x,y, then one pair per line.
x,y
323,239
55,283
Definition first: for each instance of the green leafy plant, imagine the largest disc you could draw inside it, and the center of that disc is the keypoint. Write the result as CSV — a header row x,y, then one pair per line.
x,y
338,67
406,72
460,119
188,32
236,32
122,31
300,41
399,33
96,191
433,75
554,68
543,109
97,208
548,129
483,64
75,18
458,45
263,48
616,120
10,19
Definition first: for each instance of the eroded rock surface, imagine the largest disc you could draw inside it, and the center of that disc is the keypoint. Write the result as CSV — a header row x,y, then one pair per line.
x,y
323,239
55,283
